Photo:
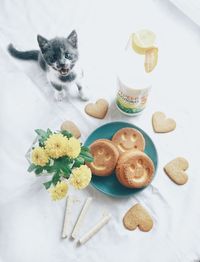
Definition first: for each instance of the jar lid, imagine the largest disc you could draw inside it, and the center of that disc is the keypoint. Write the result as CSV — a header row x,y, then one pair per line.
x,y
131,71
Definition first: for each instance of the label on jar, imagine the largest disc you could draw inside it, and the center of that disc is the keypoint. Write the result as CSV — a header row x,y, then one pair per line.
x,y
129,104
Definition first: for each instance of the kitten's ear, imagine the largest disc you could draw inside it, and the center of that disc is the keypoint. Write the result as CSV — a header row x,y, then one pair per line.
x,y
73,39
43,42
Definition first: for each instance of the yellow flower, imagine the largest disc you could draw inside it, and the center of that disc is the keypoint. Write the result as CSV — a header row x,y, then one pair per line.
x,y
56,145
59,191
39,156
73,147
80,177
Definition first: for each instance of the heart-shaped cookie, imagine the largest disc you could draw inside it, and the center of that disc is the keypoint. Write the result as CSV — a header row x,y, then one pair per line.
x,y
161,124
137,216
97,110
71,127
176,170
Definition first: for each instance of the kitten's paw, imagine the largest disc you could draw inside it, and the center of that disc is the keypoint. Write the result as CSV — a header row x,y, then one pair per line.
x,y
59,95
84,97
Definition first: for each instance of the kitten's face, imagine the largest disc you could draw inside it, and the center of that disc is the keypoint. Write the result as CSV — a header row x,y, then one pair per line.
x,y
60,53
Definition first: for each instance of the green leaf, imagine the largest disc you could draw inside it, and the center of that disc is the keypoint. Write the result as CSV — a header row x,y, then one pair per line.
x,y
31,167
66,169
49,132
62,161
50,169
78,162
56,178
38,170
40,132
65,175
43,136
63,165
66,133
85,149
47,184
41,142
87,156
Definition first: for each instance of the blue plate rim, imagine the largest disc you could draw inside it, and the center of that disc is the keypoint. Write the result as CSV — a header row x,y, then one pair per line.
x,y
140,129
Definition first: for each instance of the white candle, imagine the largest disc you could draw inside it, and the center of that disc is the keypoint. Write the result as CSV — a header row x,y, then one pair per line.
x,y
81,217
104,220
68,210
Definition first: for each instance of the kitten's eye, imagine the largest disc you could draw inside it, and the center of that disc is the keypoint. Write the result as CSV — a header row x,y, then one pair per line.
x,y
68,56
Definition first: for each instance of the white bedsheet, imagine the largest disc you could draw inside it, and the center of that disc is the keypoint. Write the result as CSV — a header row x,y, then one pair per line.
x,y
190,8
30,224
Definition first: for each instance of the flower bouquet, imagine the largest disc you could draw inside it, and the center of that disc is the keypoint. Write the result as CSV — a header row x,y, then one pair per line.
x,y
62,156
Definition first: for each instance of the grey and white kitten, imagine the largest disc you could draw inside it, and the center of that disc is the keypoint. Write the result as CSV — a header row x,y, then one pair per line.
x,y
58,57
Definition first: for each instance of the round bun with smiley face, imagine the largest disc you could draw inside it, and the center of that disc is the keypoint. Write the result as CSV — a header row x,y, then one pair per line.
x,y
127,139
105,157
134,169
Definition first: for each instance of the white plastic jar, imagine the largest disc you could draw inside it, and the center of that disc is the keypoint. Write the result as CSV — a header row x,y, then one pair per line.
x,y
131,101
133,84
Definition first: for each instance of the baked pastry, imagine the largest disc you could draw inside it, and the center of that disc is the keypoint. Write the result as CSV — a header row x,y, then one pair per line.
x,y
175,170
128,138
105,157
138,216
134,169
97,110
162,124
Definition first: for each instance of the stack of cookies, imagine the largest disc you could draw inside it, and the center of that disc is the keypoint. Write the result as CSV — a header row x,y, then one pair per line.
x,y
124,154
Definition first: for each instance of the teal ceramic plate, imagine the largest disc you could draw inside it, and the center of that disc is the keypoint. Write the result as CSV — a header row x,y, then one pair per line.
x,y
110,185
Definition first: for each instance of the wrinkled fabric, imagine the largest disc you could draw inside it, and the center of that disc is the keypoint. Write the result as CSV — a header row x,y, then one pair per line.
x,y
30,223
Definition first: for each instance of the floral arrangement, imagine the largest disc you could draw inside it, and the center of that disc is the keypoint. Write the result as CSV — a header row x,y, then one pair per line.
x,y
62,156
